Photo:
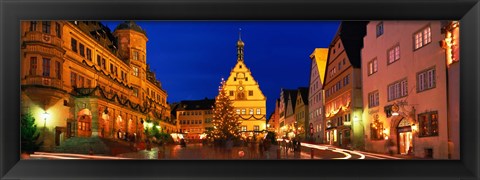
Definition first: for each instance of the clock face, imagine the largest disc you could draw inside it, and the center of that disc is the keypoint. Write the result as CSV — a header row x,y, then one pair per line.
x,y
240,88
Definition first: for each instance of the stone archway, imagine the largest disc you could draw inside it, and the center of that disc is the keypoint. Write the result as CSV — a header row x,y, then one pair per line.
x,y
84,122
402,131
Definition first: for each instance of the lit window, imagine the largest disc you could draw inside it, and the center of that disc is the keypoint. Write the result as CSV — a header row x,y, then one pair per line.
x,y
135,55
372,66
428,124
135,71
238,111
258,111
393,54
243,111
422,37
244,128
251,111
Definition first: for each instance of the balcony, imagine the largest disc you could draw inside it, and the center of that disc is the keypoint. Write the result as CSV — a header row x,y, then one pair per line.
x,y
37,36
44,81
44,91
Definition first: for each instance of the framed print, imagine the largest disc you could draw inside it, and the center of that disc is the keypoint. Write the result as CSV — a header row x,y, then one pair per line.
x,y
239,89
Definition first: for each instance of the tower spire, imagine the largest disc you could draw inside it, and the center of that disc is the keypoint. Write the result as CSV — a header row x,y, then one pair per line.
x,y
240,45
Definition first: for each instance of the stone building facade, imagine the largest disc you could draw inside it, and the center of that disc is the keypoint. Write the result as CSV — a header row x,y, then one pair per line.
x,y
79,79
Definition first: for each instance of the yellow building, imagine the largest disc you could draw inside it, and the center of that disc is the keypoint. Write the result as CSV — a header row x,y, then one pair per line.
x,y
248,100
80,80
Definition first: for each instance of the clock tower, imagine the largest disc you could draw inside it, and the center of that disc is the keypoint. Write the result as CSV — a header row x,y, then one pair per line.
x,y
248,100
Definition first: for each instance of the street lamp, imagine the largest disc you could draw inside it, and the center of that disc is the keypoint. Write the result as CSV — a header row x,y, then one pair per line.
x,y
45,116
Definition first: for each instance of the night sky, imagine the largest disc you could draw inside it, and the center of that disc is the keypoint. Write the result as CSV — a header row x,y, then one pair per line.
x,y
190,57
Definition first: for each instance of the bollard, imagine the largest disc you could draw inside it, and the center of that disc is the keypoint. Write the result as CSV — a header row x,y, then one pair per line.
x,y
278,153
311,153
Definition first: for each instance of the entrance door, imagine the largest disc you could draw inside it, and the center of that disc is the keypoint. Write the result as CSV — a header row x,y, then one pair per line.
x,y
405,144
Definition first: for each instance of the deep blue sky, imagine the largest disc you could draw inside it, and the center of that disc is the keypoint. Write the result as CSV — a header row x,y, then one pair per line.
x,y
191,57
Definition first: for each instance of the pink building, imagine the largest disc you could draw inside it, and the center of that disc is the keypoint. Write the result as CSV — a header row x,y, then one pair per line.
x,y
405,90
315,95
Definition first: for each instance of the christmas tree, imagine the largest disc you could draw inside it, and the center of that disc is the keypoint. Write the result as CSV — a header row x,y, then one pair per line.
x,y
29,134
225,124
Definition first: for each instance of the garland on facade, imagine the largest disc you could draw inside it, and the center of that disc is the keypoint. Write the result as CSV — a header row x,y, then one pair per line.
x,y
335,112
251,116
108,75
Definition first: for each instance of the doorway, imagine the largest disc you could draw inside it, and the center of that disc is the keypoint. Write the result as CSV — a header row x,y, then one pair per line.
x,y
405,144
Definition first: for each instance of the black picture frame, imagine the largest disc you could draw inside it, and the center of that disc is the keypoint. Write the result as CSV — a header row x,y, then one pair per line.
x,y
12,12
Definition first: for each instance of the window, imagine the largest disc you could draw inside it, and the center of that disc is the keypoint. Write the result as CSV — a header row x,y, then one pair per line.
x,y
244,128
33,25
81,81
111,68
58,72
33,66
46,27
238,111
422,37
99,61
379,29
393,54
372,66
74,45
135,55
89,83
89,54
250,111
258,111
73,79
373,99
339,64
57,30
250,93
135,71
104,66
46,67
397,90
428,124
346,80
82,50
426,80
256,128
243,111
135,92
231,93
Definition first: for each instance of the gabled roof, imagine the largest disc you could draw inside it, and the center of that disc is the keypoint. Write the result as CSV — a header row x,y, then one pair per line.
x,y
351,34
304,94
293,98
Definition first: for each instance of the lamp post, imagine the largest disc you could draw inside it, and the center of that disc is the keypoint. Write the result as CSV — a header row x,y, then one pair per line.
x,y
45,116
